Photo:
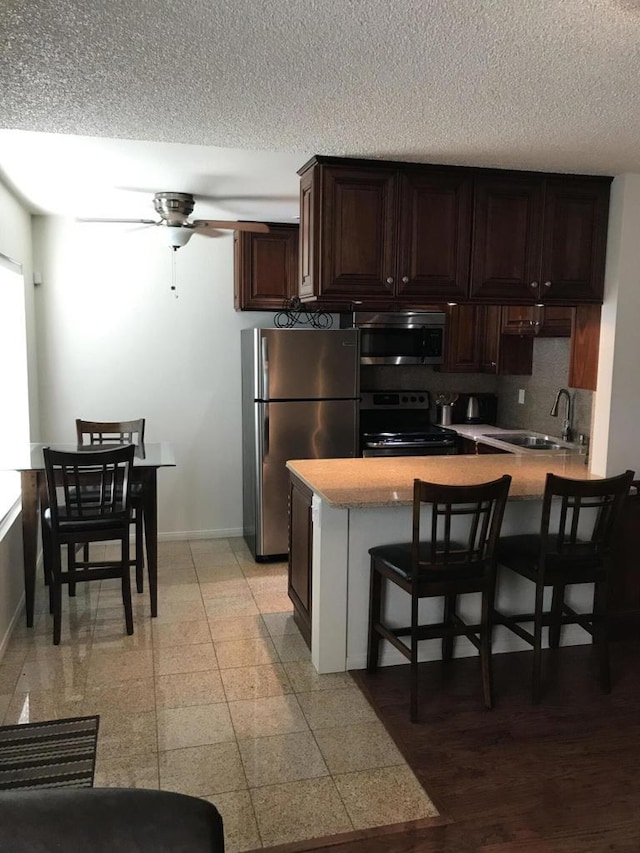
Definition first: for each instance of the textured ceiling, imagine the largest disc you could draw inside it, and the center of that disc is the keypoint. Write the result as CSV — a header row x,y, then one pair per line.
x,y
542,84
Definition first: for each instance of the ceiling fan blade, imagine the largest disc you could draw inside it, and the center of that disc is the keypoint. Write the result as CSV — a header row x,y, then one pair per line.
x,y
210,232
259,227
136,221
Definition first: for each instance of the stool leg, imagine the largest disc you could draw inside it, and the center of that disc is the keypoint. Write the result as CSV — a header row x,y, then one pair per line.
x,y
139,551
56,594
450,604
71,564
486,631
126,584
413,699
375,611
556,613
601,633
537,645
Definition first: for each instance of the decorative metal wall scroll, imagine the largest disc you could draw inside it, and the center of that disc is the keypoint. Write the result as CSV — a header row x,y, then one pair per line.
x,y
295,313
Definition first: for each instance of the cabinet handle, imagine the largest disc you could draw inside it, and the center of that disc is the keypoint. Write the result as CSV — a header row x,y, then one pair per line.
x,y
389,280
547,284
533,285
405,279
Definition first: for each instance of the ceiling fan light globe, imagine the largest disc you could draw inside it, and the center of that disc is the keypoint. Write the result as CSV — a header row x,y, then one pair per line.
x,y
178,235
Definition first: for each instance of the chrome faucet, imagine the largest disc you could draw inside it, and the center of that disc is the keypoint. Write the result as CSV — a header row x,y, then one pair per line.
x,y
567,431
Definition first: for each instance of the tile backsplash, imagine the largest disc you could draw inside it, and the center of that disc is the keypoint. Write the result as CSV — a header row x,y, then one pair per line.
x,y
550,372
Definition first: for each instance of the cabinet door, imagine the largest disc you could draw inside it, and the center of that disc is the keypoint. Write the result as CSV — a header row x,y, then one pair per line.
x,y
574,244
548,321
462,340
266,268
435,235
505,259
489,328
585,346
300,549
357,236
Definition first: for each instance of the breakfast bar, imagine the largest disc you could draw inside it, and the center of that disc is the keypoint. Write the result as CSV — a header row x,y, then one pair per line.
x,y
339,508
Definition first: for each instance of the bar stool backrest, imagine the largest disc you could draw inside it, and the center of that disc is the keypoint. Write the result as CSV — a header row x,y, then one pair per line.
x,y
110,432
589,512
89,486
464,527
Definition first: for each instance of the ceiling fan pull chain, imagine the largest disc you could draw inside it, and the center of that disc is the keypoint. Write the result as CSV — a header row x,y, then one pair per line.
x,y
173,272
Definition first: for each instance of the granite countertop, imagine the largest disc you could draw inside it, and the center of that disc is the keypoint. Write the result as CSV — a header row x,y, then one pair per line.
x,y
378,482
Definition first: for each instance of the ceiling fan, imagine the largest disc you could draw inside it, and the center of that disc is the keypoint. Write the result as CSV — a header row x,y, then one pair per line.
x,y
174,210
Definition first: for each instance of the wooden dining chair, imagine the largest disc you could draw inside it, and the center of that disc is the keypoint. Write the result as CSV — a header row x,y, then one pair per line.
x,y
575,545
111,433
89,496
456,556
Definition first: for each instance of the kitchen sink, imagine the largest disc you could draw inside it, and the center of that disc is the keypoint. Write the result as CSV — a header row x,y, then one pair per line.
x,y
531,442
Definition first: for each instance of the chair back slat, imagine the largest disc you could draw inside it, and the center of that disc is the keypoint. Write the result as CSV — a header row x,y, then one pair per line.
x,y
588,517
451,544
89,485
110,432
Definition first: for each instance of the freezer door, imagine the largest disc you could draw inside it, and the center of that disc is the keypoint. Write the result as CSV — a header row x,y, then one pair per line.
x,y
295,364
297,430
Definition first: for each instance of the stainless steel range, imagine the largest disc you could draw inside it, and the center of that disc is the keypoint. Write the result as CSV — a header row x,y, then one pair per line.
x,y
396,423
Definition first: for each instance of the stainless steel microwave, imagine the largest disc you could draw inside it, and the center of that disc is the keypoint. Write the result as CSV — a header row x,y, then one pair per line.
x,y
408,337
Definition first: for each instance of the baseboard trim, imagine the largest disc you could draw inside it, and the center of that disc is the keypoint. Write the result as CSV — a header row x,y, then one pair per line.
x,y
230,532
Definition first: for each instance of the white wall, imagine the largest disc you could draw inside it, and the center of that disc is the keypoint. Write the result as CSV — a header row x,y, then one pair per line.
x,y
114,343
15,243
616,414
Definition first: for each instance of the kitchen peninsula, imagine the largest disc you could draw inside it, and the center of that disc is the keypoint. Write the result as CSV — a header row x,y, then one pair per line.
x,y
342,507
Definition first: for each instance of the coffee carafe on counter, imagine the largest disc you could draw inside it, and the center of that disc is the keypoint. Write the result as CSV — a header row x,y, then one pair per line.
x,y
472,415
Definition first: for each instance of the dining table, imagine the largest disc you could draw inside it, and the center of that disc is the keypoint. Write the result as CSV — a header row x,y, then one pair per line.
x,y
29,461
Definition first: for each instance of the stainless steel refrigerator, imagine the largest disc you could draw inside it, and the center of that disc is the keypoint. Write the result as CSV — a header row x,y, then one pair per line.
x,y
300,400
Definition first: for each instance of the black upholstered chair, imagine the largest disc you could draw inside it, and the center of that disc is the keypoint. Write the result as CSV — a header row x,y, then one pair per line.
x,y
574,546
455,555
89,495
103,820
119,432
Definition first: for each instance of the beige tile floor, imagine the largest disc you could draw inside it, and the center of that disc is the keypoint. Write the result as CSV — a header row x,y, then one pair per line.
x,y
217,697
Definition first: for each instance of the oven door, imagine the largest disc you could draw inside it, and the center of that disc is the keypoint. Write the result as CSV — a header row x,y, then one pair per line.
x,y
395,449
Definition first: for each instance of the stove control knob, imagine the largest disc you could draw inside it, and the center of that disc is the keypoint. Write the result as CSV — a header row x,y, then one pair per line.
x,y
413,399
405,400
421,399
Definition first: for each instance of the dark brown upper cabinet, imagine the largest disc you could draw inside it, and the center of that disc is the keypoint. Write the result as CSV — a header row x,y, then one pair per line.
x,y
545,321
266,268
474,343
383,235
406,235
539,239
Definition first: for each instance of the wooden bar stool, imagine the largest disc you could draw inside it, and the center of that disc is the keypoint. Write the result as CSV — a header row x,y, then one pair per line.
x,y
457,557
89,501
575,548
111,433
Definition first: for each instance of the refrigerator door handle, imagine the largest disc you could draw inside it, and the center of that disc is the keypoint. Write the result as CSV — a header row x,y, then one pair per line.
x,y
265,435
265,367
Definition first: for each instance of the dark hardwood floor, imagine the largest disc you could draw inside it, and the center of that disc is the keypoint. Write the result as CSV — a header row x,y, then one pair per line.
x,y
559,776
